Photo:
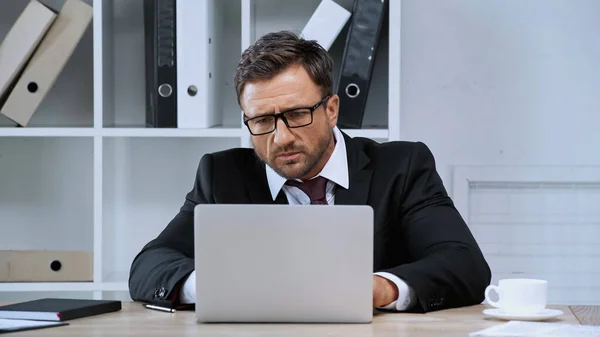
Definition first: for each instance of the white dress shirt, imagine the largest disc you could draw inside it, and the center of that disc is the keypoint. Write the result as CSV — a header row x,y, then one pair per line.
x,y
336,172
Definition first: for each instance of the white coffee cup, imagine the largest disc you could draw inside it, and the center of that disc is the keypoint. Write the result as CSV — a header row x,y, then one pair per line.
x,y
519,296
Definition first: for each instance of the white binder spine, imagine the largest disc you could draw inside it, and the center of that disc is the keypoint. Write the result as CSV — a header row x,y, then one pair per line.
x,y
194,74
326,23
21,41
48,61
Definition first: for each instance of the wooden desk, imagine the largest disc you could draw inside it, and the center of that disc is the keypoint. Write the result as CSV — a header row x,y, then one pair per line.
x,y
134,320
587,314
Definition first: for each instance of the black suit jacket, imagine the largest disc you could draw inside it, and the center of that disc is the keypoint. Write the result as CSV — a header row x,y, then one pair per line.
x,y
419,235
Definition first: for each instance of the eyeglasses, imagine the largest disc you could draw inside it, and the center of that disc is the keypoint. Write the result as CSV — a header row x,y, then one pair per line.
x,y
295,118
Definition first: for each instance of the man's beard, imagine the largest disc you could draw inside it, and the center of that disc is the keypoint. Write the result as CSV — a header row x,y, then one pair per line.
x,y
311,160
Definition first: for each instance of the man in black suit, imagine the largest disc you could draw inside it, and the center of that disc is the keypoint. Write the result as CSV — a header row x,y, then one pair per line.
x,y
425,257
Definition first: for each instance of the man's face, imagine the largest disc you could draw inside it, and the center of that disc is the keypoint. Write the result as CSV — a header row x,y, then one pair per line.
x,y
292,152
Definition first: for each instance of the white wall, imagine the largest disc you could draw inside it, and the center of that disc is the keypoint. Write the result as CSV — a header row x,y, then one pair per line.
x,y
513,83
499,82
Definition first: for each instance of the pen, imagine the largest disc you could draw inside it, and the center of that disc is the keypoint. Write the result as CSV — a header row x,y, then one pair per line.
x,y
156,307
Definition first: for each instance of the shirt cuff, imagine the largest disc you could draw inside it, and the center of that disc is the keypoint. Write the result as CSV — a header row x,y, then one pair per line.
x,y
406,294
188,291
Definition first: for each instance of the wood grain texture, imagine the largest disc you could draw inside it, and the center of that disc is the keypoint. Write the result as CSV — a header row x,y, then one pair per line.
x,y
134,320
587,314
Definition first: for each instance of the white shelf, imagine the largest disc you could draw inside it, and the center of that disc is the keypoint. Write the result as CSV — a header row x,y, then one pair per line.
x,y
45,132
116,281
63,286
48,286
151,132
120,132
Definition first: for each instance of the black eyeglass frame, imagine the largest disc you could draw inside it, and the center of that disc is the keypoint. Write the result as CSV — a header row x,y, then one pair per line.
x,y
282,116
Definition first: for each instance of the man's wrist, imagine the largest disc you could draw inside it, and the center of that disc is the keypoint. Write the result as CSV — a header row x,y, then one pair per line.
x,y
386,291
391,290
188,290
406,294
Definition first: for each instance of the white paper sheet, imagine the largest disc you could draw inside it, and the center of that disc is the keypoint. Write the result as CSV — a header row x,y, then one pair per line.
x,y
538,329
19,324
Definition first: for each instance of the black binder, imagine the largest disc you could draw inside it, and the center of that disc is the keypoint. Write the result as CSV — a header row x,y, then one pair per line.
x,y
358,60
161,63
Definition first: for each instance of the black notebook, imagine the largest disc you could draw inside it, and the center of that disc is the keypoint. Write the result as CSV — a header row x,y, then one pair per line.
x,y
58,309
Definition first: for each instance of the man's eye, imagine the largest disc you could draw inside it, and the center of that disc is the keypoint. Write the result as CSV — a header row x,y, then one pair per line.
x,y
262,120
295,114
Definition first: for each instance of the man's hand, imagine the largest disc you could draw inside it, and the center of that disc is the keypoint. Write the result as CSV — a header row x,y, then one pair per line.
x,y
384,291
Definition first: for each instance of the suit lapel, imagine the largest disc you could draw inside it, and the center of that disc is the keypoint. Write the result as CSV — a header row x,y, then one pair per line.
x,y
258,191
359,176
256,184
258,187
281,198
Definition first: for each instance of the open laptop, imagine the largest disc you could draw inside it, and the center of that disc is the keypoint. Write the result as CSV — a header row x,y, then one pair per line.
x,y
284,263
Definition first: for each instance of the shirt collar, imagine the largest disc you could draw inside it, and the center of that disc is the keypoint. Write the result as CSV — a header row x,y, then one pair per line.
x,y
336,168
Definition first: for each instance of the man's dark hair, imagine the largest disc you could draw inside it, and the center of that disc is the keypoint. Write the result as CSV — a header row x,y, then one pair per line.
x,y
275,52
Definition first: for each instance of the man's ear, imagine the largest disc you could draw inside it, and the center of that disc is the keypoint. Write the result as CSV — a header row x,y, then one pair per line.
x,y
332,110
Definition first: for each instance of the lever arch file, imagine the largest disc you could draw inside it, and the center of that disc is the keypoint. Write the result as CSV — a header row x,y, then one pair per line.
x,y
326,23
198,33
45,266
358,60
47,61
161,63
21,41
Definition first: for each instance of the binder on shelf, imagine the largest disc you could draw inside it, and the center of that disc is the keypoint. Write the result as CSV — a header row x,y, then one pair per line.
x,y
160,46
21,41
47,61
326,23
45,266
358,60
195,98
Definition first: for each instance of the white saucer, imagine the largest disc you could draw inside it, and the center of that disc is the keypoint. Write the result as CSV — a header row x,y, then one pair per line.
x,y
542,315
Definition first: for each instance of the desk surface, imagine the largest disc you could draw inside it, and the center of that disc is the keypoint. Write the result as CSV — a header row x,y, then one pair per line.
x,y
134,320
587,314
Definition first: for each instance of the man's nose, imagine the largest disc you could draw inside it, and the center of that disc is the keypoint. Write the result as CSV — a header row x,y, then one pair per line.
x,y
283,136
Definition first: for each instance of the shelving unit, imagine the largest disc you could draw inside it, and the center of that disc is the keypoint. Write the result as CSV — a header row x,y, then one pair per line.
x,y
149,132
87,175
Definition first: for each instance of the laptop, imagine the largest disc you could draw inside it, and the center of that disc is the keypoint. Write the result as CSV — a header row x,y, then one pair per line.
x,y
283,263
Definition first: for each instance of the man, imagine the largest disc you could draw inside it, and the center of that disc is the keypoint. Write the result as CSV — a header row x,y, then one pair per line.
x,y
425,257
